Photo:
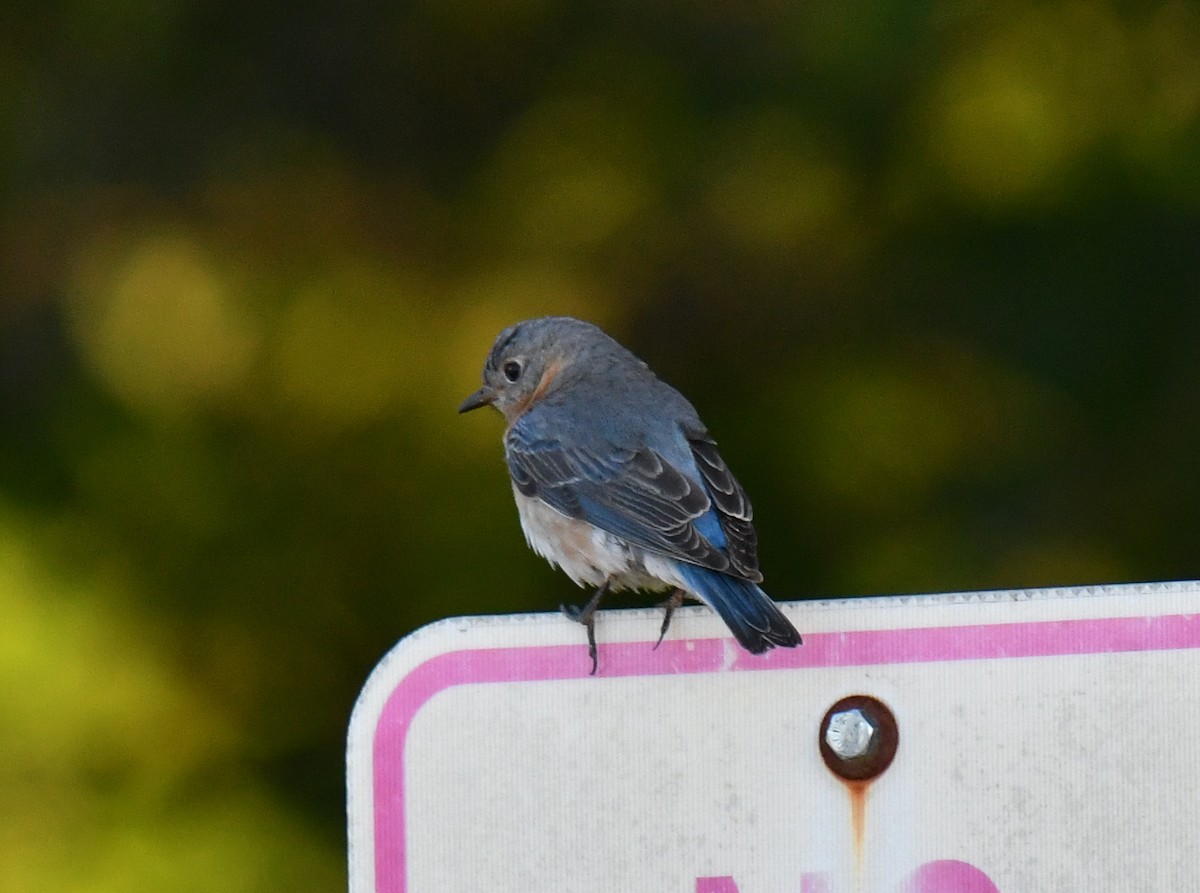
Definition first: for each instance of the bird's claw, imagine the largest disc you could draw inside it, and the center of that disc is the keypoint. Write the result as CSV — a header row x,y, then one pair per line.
x,y
577,613
668,607
572,612
586,615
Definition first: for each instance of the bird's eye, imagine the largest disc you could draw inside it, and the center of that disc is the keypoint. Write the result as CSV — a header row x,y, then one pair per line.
x,y
512,370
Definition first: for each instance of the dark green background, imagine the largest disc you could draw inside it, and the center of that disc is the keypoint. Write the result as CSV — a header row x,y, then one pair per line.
x,y
929,270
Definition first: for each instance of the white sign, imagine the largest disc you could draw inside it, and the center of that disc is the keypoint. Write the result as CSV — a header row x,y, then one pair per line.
x,y
1042,740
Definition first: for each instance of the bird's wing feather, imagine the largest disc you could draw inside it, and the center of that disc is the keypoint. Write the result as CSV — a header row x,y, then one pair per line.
x,y
638,495
732,505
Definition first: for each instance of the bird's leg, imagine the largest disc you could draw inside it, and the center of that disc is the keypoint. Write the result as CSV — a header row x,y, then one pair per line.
x,y
668,607
587,616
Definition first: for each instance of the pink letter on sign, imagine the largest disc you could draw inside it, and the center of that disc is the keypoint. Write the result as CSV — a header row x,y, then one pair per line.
x,y
809,883
948,876
716,885
814,883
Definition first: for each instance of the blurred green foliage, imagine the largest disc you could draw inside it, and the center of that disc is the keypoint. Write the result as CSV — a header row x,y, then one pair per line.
x,y
929,270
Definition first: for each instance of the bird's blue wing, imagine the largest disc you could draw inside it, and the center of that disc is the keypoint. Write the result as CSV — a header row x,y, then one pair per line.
x,y
638,495
730,503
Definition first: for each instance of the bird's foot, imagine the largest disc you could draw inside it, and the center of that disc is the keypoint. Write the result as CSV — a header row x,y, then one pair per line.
x,y
587,616
668,607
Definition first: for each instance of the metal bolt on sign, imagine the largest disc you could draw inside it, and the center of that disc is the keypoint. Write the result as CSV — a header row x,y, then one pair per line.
x,y
858,737
849,734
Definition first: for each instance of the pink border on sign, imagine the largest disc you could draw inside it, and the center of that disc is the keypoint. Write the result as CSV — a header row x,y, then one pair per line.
x,y
846,649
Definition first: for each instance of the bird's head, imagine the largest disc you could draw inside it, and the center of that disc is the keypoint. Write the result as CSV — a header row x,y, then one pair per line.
x,y
534,358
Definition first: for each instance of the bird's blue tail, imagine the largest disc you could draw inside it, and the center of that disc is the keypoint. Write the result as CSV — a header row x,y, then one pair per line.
x,y
755,621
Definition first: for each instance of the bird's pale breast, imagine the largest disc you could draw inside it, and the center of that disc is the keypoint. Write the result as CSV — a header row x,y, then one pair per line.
x,y
587,554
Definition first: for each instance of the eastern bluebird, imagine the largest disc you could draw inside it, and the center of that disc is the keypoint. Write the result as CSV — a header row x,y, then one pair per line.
x,y
618,482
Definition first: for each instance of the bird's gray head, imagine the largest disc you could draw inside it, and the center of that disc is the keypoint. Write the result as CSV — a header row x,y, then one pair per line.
x,y
536,357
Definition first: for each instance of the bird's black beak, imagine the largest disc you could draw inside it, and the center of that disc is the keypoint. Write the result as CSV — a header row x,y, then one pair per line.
x,y
482,397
